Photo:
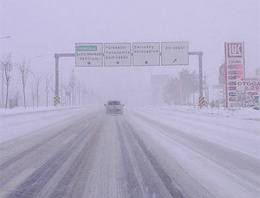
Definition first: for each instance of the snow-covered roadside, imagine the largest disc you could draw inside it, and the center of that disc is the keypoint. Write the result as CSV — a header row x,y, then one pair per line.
x,y
19,123
244,113
22,110
190,167
239,134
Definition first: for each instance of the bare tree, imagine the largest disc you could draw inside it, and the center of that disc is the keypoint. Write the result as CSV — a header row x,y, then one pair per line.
x,y
68,96
47,88
71,86
37,80
6,68
62,93
78,88
84,95
33,94
16,98
24,71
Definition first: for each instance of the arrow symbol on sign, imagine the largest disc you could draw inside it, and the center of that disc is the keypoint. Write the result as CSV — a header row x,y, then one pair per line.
x,y
174,60
146,62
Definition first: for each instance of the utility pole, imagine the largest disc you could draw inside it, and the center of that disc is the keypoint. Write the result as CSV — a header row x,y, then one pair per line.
x,y
2,91
206,88
5,37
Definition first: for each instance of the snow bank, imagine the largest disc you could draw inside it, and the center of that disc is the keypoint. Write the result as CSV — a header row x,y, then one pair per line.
x,y
238,130
247,113
18,110
18,122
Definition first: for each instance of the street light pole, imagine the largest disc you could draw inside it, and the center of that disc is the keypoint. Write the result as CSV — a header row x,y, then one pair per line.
x,y
5,37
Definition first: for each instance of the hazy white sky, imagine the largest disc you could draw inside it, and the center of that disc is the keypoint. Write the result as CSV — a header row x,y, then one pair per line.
x,y
47,27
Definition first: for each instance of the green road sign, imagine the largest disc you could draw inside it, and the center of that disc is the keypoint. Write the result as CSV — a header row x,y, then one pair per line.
x,y
89,54
86,48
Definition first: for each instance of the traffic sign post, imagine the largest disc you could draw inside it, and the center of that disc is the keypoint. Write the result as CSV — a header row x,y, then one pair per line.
x,y
199,54
146,54
57,57
117,54
175,53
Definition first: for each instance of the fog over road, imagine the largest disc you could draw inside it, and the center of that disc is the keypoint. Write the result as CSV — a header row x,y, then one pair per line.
x,y
131,155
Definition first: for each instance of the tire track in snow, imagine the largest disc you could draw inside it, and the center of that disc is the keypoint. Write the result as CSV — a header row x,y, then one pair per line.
x,y
16,158
153,188
73,182
36,182
242,165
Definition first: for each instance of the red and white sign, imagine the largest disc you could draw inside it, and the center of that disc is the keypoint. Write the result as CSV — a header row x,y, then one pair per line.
x,y
248,84
247,89
235,49
235,69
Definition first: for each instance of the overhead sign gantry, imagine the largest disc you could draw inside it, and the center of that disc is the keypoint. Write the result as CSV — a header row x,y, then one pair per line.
x,y
135,54
129,54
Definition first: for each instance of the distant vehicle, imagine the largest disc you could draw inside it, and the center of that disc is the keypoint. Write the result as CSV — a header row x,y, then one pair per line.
x,y
114,107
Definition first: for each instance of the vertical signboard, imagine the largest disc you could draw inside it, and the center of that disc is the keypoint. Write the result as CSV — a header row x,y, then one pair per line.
x,y
248,89
235,69
117,54
146,54
88,54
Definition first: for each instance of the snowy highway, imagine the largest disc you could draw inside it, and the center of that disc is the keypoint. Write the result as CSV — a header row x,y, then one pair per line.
x,y
147,152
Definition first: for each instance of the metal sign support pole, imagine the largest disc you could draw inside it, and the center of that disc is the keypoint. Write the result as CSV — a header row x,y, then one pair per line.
x,y
56,76
199,54
57,56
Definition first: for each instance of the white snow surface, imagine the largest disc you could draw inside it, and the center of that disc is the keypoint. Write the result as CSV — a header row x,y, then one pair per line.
x,y
238,129
18,110
19,121
235,130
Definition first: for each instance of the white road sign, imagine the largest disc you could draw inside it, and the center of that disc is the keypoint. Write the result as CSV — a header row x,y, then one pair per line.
x,y
146,54
89,54
175,53
117,54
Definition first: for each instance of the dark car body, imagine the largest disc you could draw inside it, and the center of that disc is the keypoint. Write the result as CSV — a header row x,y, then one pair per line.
x,y
114,107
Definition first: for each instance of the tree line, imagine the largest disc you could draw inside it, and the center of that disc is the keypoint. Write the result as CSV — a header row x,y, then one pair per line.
x,y
72,92
179,89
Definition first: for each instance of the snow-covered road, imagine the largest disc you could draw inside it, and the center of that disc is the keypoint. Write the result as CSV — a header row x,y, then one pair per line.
x,y
144,153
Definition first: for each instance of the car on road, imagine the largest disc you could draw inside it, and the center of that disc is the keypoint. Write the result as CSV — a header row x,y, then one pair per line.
x,y
114,107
